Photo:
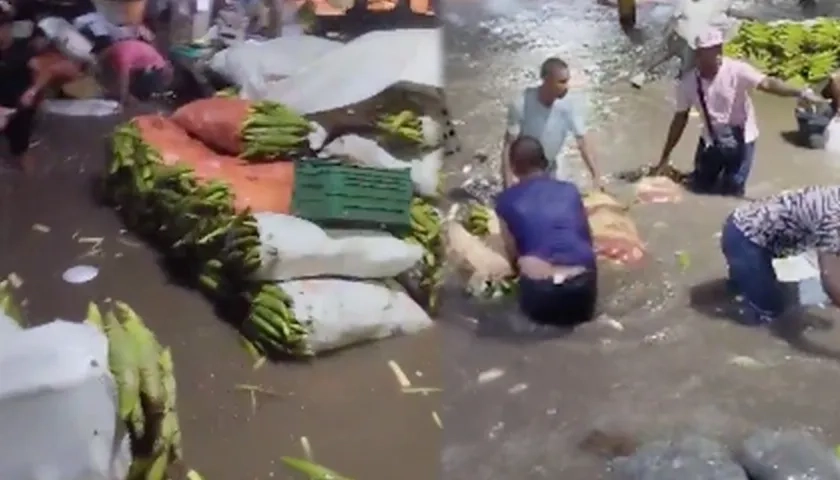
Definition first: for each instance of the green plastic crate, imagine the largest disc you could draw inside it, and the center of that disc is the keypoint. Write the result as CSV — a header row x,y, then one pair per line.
x,y
331,193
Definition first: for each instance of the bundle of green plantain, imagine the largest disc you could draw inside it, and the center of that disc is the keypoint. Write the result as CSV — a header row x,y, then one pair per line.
x,y
195,224
802,53
403,126
426,232
144,375
477,222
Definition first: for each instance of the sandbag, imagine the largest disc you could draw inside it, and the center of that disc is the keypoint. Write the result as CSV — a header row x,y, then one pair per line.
x,y
658,190
216,121
294,248
787,455
472,254
363,151
58,406
688,458
344,312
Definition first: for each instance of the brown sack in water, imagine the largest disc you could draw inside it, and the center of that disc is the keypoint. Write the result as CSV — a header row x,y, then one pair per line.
x,y
658,190
614,233
473,255
216,121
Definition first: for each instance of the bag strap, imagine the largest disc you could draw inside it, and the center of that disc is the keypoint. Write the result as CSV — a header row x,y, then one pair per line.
x,y
702,97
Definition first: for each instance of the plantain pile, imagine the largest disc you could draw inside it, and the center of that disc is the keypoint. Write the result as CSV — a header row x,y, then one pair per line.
x,y
799,52
229,92
196,227
404,126
273,130
426,231
145,379
477,222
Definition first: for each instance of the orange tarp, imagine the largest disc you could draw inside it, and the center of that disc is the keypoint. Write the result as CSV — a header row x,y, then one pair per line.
x,y
264,187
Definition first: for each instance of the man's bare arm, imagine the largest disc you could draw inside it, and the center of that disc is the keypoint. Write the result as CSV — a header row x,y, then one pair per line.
x,y
589,158
508,178
675,131
778,87
830,276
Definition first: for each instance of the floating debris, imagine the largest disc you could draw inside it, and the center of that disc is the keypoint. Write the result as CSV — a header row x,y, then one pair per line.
x,y
746,362
40,228
80,274
436,418
490,375
518,388
402,378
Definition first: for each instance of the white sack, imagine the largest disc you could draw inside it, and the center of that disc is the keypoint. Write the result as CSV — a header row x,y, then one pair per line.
x,y
476,256
832,136
296,248
8,328
252,65
91,107
362,69
67,39
363,151
58,407
345,312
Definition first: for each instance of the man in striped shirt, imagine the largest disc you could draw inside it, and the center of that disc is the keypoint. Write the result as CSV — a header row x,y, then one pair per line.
x,y
789,223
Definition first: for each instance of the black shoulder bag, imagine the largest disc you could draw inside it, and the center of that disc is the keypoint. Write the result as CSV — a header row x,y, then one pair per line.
x,y
727,142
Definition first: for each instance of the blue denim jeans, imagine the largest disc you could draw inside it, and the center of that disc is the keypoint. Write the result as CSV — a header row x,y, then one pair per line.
x,y
722,176
751,274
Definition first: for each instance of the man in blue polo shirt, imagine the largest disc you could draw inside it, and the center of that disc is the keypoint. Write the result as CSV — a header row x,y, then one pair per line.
x,y
547,240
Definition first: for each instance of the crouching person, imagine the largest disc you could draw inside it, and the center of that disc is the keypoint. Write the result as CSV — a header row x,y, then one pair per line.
x,y
547,240
782,225
135,70
18,95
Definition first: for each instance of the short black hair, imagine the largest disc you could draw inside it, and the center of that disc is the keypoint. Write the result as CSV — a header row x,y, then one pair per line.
x,y
526,155
551,65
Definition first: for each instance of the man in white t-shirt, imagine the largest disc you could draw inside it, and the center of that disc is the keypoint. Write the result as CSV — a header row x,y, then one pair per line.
x,y
548,112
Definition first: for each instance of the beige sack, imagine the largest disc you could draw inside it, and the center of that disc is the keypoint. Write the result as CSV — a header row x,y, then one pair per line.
x,y
658,190
473,256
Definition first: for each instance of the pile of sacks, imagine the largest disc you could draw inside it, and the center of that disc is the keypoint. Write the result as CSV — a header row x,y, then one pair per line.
x,y
766,455
212,188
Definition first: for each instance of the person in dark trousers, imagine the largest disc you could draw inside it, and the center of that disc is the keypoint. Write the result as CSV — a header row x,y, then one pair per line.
x,y
17,117
548,240
719,88
789,223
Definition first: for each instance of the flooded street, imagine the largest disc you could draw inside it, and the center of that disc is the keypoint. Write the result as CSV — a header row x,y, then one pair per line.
x,y
665,356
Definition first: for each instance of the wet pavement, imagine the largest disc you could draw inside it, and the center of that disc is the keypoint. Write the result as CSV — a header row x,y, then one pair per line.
x,y
665,356
665,362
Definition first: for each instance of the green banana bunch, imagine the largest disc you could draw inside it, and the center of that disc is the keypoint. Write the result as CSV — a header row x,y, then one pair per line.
x,y
271,326
230,92
477,221
273,130
426,232
144,374
8,305
405,125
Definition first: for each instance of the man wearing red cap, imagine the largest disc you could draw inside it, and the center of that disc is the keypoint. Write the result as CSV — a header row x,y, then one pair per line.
x,y
719,87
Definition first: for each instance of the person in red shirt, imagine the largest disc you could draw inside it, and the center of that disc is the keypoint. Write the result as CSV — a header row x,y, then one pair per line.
x,y
137,70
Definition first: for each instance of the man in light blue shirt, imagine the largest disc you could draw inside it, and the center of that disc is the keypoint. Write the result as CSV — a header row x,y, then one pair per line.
x,y
548,113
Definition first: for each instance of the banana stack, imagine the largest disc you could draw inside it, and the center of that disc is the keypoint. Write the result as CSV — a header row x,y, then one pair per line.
x,y
404,126
144,375
477,222
195,225
426,232
273,131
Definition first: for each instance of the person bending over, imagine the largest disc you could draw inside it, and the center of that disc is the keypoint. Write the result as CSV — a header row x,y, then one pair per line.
x,y
782,225
17,93
547,239
136,70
